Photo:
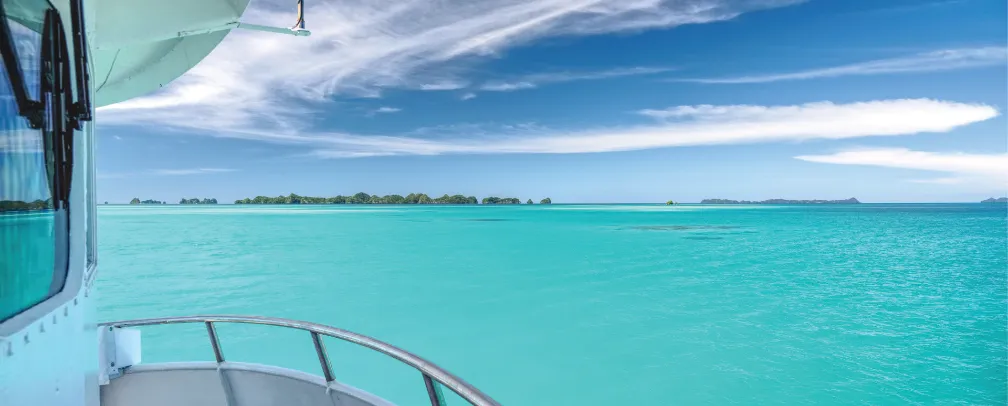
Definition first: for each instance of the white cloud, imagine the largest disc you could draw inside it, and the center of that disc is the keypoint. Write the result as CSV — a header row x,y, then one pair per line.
x,y
164,172
941,181
444,85
535,80
988,169
468,96
260,81
506,87
386,109
193,171
942,60
679,126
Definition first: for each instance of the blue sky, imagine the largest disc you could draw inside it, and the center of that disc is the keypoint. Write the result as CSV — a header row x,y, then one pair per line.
x,y
582,101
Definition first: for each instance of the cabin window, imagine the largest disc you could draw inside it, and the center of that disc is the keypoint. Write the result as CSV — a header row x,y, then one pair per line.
x,y
33,224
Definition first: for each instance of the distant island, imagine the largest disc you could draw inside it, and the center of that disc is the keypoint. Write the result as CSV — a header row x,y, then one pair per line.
x,y
502,200
17,205
364,198
780,201
137,200
997,200
198,201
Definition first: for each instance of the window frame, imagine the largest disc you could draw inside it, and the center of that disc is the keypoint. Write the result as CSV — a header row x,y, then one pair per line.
x,y
91,226
64,149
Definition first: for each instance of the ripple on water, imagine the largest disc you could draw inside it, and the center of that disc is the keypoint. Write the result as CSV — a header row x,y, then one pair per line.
x,y
681,227
703,238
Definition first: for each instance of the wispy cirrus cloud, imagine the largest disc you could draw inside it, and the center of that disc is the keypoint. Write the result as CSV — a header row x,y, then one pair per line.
x,y
675,127
451,84
255,81
190,171
164,172
506,86
959,167
535,80
942,60
384,110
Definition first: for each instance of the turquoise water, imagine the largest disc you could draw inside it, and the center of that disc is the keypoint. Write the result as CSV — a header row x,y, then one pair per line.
x,y
589,305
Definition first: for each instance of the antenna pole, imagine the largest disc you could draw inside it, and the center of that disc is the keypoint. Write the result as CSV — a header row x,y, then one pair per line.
x,y
299,25
297,30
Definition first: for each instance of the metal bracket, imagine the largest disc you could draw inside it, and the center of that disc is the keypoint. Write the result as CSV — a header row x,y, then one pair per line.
x,y
298,32
118,349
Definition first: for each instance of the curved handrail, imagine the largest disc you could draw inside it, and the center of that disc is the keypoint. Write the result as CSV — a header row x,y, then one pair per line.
x,y
427,368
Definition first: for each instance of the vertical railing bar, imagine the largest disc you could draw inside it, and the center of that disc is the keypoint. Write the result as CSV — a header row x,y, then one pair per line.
x,y
432,391
214,341
322,357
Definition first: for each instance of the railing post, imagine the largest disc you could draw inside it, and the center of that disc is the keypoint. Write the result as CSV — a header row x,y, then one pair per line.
x,y
214,342
219,356
433,391
322,357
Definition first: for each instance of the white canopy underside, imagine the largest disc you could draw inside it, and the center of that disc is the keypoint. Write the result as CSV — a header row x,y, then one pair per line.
x,y
139,46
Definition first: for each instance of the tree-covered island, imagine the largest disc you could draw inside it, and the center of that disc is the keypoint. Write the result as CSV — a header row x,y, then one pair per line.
x,y
136,200
364,198
501,200
198,201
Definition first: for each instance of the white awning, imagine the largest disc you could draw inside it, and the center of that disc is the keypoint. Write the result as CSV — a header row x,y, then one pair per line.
x,y
139,46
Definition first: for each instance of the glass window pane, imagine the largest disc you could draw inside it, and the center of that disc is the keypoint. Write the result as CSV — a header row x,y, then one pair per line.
x,y
25,22
28,222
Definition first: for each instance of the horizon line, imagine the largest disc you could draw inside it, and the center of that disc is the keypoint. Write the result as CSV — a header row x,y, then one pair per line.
x,y
554,203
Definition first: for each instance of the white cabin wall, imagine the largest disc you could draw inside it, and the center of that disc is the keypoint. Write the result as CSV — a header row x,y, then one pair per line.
x,y
51,361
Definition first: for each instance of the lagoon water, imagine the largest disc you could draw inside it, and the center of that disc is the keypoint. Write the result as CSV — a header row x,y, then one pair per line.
x,y
588,305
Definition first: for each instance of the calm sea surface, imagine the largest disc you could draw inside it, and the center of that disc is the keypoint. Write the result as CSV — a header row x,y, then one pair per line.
x,y
589,305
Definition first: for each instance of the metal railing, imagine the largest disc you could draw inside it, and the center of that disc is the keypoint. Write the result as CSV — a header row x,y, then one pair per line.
x,y
431,373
